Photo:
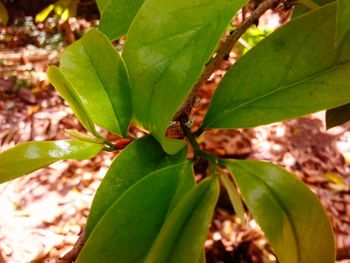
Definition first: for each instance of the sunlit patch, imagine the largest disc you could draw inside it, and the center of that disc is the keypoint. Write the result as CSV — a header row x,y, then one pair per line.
x,y
33,152
63,148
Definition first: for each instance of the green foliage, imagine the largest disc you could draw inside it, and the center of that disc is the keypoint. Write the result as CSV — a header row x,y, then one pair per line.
x,y
66,90
30,156
117,12
282,214
184,232
343,22
148,207
178,38
147,156
88,64
297,73
234,196
303,7
128,228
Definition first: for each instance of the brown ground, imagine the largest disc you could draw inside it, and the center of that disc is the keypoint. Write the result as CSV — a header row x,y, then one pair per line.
x,y
41,214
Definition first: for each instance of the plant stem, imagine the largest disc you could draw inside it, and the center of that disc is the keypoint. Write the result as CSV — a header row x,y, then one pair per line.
x,y
112,147
196,148
223,51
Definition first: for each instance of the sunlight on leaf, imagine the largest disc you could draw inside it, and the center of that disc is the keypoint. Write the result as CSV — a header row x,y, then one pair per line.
x,y
291,216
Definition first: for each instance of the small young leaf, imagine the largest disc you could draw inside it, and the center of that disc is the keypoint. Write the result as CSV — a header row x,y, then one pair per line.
x,y
66,90
117,15
128,228
146,156
167,47
299,71
183,234
98,74
291,216
30,156
83,137
343,19
337,116
234,196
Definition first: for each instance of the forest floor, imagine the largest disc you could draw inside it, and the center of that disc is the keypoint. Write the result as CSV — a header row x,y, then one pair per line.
x,y
41,214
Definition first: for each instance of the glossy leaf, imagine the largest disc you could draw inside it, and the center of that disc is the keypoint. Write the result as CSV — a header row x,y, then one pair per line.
x,y
146,156
98,74
299,71
168,45
291,216
66,90
183,234
30,156
343,19
337,116
234,197
301,9
117,15
126,231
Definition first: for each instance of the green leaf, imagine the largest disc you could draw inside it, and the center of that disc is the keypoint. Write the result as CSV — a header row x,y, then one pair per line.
x,y
66,90
310,4
30,156
146,156
183,234
4,16
83,137
98,74
299,71
234,196
202,257
337,116
343,19
117,15
291,216
101,4
127,230
168,45
301,8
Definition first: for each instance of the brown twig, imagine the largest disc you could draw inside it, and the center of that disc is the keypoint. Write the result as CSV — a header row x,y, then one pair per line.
x,y
222,52
72,255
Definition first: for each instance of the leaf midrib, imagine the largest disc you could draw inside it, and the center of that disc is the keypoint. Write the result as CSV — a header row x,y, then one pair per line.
x,y
103,85
278,89
277,199
170,59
